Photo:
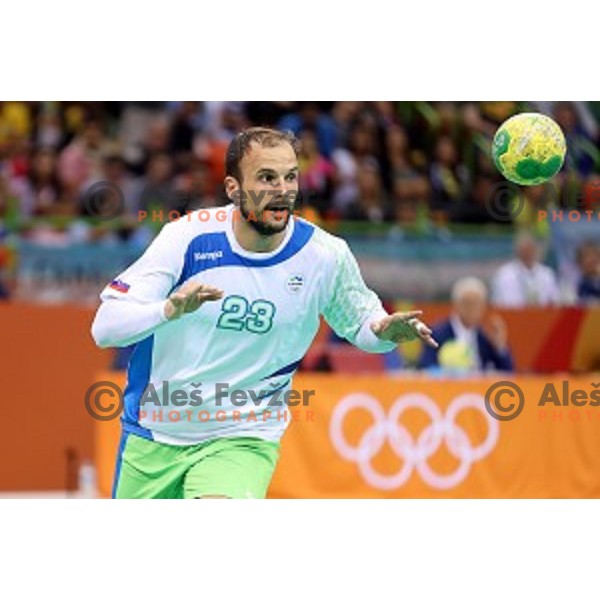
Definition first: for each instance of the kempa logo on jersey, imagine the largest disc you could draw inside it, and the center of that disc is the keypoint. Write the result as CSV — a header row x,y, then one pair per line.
x,y
208,255
414,453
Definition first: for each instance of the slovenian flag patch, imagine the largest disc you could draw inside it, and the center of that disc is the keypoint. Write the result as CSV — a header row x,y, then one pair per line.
x,y
119,285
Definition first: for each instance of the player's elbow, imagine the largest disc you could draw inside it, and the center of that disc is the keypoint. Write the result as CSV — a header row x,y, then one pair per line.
x,y
103,343
101,332
100,335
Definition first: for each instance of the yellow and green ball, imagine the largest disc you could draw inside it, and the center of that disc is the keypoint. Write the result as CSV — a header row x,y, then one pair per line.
x,y
529,148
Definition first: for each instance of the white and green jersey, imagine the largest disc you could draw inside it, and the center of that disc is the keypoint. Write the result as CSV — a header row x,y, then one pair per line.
x,y
187,378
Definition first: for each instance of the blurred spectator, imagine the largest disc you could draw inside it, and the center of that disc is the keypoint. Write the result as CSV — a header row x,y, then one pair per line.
x,y
157,187
524,281
398,148
315,172
449,179
195,189
49,131
386,115
222,120
475,209
183,129
583,155
411,199
114,171
464,345
133,131
361,146
39,191
81,160
156,140
371,203
310,116
345,115
588,260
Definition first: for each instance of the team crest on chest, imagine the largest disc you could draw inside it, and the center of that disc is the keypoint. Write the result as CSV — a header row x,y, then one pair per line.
x,y
294,283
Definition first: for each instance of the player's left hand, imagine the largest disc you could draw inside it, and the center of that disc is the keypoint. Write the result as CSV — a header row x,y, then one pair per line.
x,y
403,327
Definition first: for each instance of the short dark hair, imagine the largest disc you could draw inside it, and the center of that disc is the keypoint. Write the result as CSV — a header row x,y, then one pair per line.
x,y
263,136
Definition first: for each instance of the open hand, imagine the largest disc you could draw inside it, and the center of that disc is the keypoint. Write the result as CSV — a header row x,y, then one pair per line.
x,y
190,298
403,327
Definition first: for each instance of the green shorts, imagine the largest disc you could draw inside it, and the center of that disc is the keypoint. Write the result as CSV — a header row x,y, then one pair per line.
x,y
233,467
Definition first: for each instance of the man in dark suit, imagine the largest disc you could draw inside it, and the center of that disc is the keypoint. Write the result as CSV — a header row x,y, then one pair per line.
x,y
463,343
588,260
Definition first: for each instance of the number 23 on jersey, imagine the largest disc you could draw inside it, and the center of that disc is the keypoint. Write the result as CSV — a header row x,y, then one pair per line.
x,y
239,314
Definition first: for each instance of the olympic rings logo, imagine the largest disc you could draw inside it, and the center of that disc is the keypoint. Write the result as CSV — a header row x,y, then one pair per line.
x,y
414,453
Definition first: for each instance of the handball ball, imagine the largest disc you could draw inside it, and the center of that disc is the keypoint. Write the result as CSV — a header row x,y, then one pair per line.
x,y
529,148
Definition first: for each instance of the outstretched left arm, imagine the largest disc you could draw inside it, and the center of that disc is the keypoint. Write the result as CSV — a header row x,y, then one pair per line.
x,y
403,327
355,312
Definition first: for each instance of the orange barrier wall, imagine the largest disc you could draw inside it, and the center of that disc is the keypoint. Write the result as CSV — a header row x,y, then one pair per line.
x,y
541,339
347,444
544,452
48,362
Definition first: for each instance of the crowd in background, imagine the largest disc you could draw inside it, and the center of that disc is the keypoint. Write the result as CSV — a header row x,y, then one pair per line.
x,y
411,164
402,162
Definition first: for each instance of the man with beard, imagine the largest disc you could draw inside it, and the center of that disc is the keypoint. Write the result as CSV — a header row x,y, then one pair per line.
x,y
222,312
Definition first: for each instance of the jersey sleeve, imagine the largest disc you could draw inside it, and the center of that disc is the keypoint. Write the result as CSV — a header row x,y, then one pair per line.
x,y
133,304
154,274
352,306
